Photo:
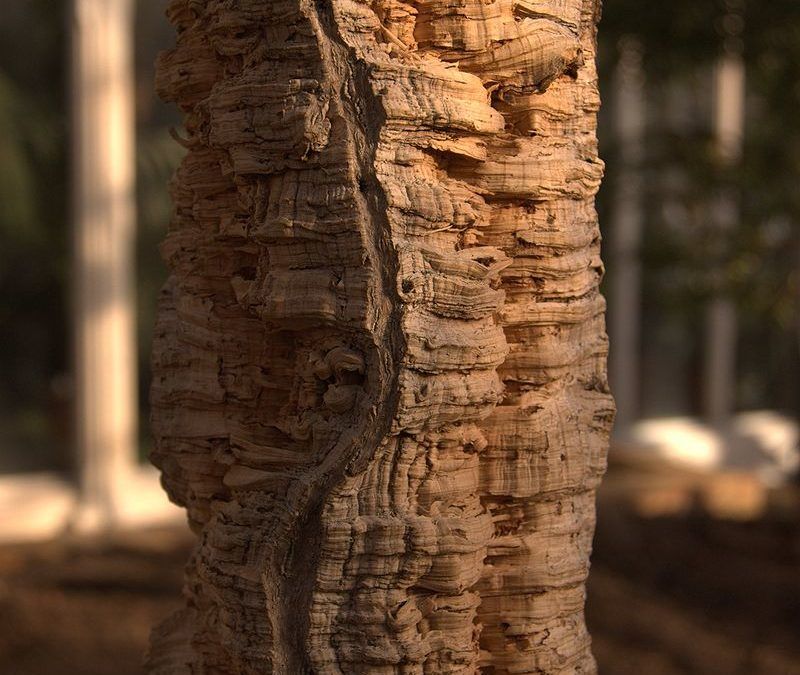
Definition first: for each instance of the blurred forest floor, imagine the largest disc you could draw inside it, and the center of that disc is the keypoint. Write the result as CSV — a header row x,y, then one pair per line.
x,y
667,595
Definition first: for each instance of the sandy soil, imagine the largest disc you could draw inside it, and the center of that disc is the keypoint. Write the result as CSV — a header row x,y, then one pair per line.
x,y
667,596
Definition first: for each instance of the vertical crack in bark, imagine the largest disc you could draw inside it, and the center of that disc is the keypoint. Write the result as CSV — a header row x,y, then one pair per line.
x,y
348,88
351,81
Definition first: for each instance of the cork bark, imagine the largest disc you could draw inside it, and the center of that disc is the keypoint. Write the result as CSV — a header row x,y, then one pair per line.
x,y
380,385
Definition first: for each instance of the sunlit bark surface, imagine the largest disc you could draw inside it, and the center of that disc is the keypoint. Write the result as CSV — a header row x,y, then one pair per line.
x,y
380,386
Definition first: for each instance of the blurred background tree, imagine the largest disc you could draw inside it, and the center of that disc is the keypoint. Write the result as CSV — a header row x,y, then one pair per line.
x,y
35,334
684,258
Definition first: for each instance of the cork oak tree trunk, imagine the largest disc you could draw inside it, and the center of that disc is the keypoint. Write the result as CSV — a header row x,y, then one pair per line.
x,y
379,372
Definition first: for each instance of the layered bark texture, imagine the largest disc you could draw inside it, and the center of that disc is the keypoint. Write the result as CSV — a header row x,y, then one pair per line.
x,y
380,386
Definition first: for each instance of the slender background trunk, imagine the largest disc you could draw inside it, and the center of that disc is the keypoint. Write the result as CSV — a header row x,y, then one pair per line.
x,y
103,254
380,385
628,220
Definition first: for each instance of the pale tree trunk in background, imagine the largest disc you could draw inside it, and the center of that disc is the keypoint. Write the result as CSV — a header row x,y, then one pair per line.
x,y
380,368
721,319
626,283
104,301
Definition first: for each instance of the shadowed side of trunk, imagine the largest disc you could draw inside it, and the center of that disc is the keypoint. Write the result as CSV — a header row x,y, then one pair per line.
x,y
380,382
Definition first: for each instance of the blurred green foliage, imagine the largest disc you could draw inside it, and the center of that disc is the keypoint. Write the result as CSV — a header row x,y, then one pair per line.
x,y
33,233
685,256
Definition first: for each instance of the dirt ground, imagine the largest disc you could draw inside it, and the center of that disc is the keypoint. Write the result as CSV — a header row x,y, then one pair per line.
x,y
667,595
692,594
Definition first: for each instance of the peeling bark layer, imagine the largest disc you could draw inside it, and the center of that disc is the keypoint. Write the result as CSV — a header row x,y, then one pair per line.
x,y
380,387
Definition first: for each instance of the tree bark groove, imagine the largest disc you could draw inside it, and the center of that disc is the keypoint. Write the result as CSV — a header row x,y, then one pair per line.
x,y
379,371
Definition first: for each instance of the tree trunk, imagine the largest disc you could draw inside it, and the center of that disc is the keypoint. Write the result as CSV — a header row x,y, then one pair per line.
x,y
380,386
104,301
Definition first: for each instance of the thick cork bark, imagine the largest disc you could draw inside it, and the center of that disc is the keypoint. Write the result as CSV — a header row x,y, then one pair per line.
x,y
380,383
